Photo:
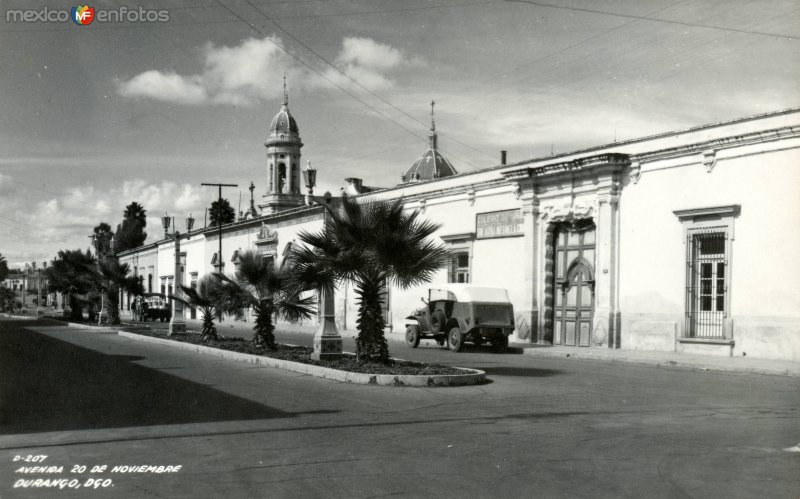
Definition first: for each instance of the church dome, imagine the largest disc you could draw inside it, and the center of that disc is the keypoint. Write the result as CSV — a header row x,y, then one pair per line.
x,y
283,122
432,164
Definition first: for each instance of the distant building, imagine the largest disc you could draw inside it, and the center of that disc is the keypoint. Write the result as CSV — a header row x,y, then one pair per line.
x,y
678,241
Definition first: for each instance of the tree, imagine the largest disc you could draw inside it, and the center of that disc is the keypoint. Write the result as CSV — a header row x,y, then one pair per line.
x,y
130,233
371,245
112,277
135,212
221,211
205,297
73,273
3,268
8,299
259,284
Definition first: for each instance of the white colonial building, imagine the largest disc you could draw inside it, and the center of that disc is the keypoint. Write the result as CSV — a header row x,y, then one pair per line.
x,y
679,241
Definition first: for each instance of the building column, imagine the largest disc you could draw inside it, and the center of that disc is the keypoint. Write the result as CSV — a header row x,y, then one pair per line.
x,y
527,319
606,314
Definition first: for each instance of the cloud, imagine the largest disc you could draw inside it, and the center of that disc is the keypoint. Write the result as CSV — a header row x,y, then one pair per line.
x,y
66,221
253,71
169,87
5,181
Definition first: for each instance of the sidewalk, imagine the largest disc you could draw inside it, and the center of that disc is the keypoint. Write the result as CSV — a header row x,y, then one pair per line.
x,y
665,359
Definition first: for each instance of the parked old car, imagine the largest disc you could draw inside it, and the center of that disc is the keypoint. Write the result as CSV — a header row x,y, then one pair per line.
x,y
462,313
152,307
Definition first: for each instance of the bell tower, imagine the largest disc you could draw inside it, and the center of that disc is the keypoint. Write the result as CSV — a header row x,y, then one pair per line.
x,y
284,188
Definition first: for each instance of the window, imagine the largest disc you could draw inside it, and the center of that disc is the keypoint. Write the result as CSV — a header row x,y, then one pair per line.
x,y
706,293
708,238
459,268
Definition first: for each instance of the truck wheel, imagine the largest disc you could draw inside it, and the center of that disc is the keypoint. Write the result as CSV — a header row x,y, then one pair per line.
x,y
455,339
437,322
412,336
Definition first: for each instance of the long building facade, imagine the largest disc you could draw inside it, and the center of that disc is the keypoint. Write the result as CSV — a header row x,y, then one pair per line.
x,y
682,241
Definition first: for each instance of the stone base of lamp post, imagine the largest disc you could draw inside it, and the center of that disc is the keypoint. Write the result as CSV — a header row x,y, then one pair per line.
x,y
177,326
327,340
102,317
327,346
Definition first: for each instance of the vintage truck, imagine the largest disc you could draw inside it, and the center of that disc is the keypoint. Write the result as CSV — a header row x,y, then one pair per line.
x,y
460,313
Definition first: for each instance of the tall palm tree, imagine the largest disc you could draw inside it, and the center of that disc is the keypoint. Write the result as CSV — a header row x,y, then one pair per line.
x,y
371,245
205,297
135,212
130,233
269,291
221,212
3,268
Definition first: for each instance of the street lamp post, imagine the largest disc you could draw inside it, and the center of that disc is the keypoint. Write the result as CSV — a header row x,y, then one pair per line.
x,y
327,340
101,242
177,323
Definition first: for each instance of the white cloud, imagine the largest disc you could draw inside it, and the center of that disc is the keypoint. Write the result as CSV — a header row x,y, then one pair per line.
x,y
5,181
169,87
368,53
66,221
253,70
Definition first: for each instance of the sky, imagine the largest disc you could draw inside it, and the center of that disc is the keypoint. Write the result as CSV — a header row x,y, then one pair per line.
x,y
94,117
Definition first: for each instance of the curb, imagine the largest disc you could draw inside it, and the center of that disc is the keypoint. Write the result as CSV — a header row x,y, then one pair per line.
x,y
475,376
670,363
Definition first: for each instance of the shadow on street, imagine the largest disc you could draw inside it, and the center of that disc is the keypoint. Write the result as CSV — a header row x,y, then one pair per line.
x,y
52,385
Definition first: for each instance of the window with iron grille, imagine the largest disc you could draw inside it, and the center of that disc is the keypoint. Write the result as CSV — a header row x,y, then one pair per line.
x,y
707,286
709,237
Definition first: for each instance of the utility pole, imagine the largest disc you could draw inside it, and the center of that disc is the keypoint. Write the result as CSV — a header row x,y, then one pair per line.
x,y
219,217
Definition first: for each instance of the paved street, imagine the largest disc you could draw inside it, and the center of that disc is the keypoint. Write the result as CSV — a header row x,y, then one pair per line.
x,y
540,428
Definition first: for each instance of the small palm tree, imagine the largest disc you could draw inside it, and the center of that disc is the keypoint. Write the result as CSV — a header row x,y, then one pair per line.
x,y
269,291
112,277
372,245
205,297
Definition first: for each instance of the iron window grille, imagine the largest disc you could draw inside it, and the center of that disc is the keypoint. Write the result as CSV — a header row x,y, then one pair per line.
x,y
706,283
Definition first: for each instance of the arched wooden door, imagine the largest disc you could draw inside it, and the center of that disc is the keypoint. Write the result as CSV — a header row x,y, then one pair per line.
x,y
574,285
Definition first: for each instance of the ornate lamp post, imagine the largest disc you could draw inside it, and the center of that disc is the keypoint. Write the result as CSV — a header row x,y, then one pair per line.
x,y
177,323
102,245
310,179
327,340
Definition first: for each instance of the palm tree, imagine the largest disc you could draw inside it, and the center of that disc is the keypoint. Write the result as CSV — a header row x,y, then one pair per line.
x,y
205,297
130,233
371,245
8,299
221,211
135,212
112,277
269,291
3,268
73,273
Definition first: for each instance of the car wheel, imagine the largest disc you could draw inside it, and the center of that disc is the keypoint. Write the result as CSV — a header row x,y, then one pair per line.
x,y
455,339
412,336
437,322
